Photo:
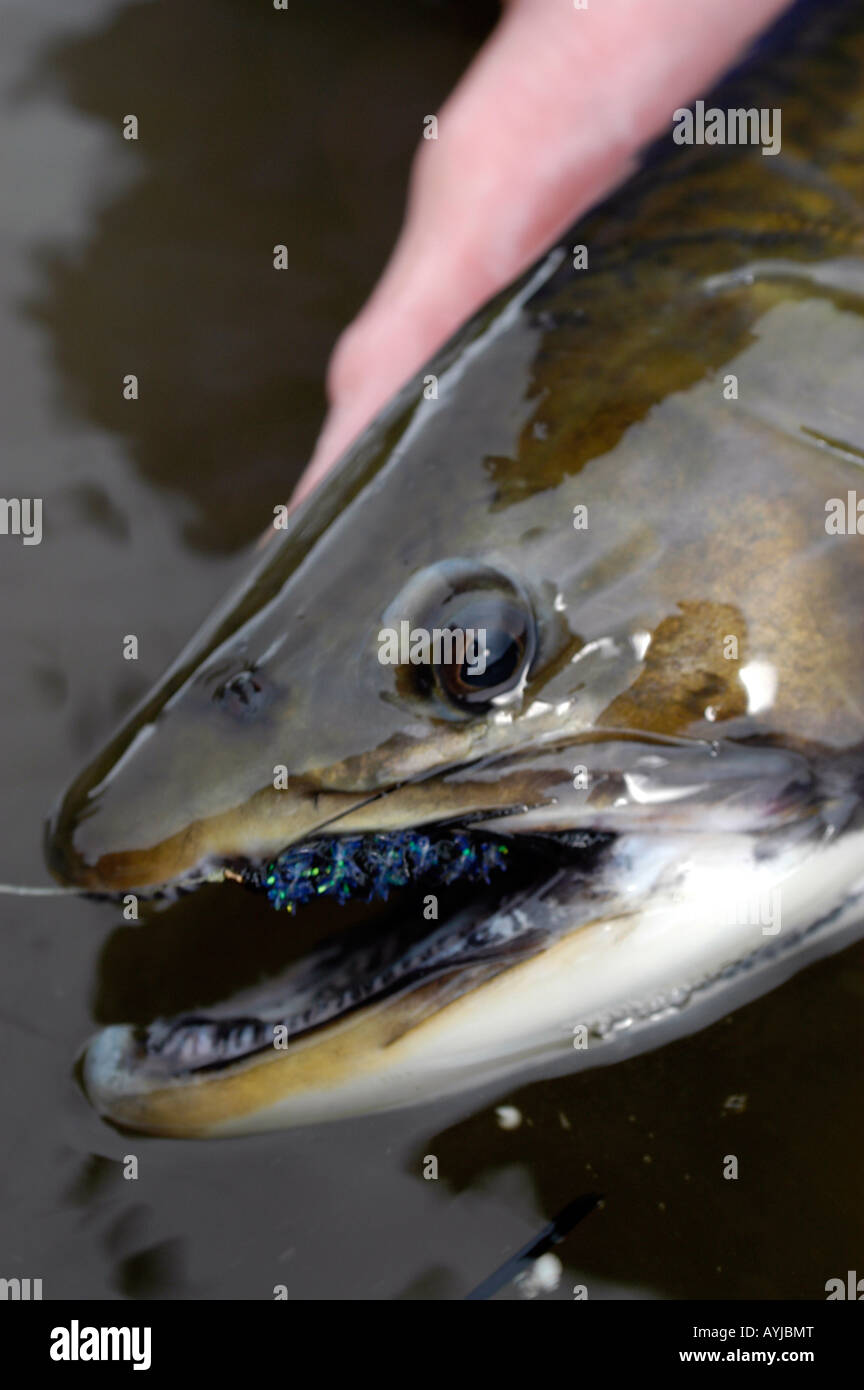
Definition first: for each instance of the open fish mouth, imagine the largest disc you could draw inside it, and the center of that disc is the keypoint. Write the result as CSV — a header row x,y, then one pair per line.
x,y
458,952
399,946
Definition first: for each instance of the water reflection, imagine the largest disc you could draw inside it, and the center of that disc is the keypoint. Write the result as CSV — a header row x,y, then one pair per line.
x,y
652,1134
253,131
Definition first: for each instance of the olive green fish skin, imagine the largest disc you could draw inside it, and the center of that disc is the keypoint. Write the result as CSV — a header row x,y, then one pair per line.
x,y
589,450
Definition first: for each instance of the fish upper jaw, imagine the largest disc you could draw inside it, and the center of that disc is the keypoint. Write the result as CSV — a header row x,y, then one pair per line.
x,y
93,860
619,784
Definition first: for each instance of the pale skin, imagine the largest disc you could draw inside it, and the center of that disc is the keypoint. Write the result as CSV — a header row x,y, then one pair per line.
x,y
551,115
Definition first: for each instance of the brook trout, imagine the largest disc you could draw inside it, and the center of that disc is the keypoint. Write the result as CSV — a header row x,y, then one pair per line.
x,y
637,800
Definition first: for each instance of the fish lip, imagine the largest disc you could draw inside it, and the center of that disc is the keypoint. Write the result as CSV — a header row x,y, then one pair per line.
x,y
123,1059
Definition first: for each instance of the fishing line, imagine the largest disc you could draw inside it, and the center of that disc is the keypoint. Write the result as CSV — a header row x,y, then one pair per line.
x,y
248,877
17,890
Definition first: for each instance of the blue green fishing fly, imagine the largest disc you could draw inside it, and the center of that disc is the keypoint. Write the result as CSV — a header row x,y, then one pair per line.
x,y
371,866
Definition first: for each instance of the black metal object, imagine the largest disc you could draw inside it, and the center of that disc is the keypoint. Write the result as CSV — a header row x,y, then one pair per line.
x,y
553,1234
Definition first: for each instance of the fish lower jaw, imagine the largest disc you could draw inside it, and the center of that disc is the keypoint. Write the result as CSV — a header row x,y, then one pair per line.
x,y
664,933
463,915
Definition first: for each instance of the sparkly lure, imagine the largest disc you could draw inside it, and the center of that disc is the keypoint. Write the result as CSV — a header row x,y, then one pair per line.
x,y
371,865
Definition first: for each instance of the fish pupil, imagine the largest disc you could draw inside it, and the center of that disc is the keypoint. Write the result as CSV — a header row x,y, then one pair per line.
x,y
503,656
499,646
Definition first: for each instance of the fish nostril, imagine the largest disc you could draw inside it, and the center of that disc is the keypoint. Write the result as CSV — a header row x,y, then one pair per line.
x,y
243,695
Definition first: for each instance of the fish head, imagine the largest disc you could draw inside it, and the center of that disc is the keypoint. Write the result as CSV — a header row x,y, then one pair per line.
x,y
654,720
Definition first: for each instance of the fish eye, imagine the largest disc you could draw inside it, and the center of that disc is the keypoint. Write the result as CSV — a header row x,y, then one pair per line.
x,y
491,646
242,695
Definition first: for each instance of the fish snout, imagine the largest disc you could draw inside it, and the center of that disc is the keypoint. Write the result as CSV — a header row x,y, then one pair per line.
x,y
81,852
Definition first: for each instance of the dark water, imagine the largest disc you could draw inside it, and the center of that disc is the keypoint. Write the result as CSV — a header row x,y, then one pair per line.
x,y
154,258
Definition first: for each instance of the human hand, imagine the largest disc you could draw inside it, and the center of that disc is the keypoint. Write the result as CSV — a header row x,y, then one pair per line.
x,y
550,116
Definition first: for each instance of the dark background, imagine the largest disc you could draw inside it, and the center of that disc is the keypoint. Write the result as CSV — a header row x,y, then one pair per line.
x,y
258,127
